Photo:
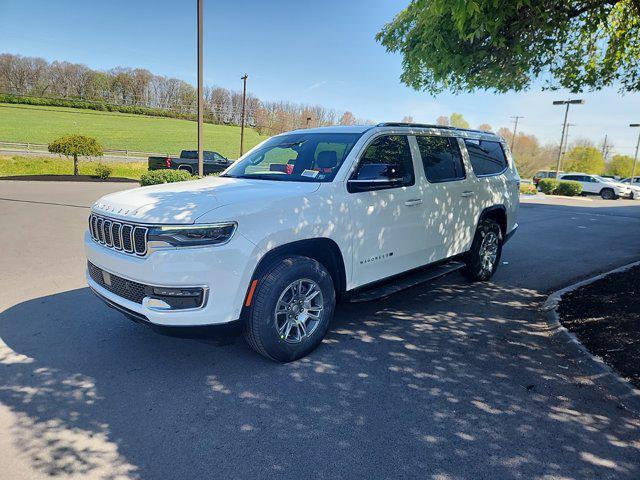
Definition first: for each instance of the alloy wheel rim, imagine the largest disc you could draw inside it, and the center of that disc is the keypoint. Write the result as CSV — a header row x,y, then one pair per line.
x,y
299,310
489,251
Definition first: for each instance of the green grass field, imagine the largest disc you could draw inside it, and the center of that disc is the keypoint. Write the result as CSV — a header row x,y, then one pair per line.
x,y
17,165
34,124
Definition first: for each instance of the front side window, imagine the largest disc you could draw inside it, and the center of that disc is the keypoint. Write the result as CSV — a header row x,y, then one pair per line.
x,y
441,159
296,157
487,157
387,158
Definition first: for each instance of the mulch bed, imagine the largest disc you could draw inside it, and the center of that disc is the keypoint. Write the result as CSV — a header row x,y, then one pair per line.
x,y
67,178
605,316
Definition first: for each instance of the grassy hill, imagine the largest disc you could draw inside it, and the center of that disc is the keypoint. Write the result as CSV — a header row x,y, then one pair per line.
x,y
35,124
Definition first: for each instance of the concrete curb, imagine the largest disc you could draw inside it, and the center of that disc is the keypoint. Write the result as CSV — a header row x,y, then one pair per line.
x,y
612,384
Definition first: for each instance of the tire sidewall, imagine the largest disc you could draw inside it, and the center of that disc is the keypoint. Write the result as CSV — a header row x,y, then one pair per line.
x,y
269,289
474,262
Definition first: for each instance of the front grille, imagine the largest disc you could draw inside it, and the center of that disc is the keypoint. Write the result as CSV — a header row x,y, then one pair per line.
x,y
121,236
122,287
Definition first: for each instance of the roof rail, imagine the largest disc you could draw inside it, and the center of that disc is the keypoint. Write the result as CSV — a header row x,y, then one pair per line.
x,y
427,125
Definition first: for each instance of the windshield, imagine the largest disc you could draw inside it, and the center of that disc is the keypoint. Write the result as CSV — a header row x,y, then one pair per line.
x,y
605,179
296,157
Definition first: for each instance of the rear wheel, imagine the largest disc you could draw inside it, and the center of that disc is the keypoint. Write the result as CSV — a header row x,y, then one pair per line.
x,y
291,309
607,194
187,168
484,256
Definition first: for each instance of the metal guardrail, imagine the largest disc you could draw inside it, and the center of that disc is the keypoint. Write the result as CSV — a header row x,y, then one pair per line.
x,y
39,147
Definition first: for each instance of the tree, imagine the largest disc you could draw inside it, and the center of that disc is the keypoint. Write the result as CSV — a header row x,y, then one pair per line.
x,y
620,165
485,127
76,146
505,45
443,120
407,119
457,120
584,159
347,119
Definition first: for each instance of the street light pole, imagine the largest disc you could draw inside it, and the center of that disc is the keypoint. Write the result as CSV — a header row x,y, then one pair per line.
x,y
244,99
515,130
200,99
635,158
564,127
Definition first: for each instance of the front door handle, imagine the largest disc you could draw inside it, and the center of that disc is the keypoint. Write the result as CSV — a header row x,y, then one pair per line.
x,y
467,194
413,201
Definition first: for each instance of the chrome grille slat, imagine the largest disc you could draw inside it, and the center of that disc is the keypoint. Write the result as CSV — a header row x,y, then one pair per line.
x,y
121,236
106,227
115,234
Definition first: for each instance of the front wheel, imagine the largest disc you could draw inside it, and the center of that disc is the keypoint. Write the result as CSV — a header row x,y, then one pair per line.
x,y
608,194
291,309
483,258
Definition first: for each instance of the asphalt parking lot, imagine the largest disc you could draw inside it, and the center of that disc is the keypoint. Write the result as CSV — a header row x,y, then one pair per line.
x,y
445,380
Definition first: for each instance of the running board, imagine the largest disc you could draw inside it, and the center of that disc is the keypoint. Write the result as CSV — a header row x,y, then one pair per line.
x,y
406,281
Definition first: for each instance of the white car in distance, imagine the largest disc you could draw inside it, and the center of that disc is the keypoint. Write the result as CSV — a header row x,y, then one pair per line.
x,y
300,221
607,188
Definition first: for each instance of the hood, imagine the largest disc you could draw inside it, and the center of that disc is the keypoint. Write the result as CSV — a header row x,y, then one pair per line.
x,y
184,202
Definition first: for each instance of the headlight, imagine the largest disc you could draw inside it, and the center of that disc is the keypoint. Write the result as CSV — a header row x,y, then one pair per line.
x,y
192,235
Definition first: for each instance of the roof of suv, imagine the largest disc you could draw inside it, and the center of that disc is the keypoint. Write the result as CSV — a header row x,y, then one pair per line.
x,y
411,127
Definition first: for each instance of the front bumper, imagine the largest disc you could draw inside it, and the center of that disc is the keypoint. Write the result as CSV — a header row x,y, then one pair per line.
x,y
224,271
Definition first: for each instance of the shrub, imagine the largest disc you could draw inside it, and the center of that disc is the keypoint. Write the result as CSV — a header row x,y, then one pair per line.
x,y
548,185
568,188
155,177
103,171
528,189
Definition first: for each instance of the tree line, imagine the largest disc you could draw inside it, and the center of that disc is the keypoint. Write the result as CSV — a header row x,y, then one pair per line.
x,y
138,87
133,88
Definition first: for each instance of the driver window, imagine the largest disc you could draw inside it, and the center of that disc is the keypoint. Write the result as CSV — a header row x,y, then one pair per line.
x,y
276,159
387,158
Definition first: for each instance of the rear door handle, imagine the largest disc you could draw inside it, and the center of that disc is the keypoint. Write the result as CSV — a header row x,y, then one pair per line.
x,y
413,201
467,194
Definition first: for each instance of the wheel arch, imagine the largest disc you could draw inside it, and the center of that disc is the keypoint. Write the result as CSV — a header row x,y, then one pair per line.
x,y
188,168
497,213
324,250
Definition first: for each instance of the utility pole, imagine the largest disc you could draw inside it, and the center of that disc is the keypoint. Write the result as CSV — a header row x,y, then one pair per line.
x,y
244,99
200,99
515,130
604,148
635,158
564,126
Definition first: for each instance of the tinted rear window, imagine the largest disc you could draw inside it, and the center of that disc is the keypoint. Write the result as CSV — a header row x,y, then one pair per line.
x,y
441,158
487,158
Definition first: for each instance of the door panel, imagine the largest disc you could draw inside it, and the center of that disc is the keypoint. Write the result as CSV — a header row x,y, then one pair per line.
x,y
388,223
450,198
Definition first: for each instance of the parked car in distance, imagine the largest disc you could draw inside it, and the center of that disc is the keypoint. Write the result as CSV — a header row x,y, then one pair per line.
x,y
635,186
607,188
301,221
213,162
539,175
636,180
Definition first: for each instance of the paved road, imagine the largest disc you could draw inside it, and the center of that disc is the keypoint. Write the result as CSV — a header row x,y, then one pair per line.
x,y
448,380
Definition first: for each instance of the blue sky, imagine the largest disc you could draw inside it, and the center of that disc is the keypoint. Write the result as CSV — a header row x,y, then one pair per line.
x,y
308,52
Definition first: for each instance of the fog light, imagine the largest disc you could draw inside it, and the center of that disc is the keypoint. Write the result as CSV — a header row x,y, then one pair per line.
x,y
176,298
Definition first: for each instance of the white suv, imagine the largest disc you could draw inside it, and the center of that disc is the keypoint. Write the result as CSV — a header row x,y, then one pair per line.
x,y
300,221
607,188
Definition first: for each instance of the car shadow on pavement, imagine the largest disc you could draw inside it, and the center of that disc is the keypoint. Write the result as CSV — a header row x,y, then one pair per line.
x,y
405,387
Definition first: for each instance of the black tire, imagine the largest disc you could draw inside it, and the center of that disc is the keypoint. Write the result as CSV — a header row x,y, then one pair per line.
x,y
477,270
187,168
608,194
261,330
